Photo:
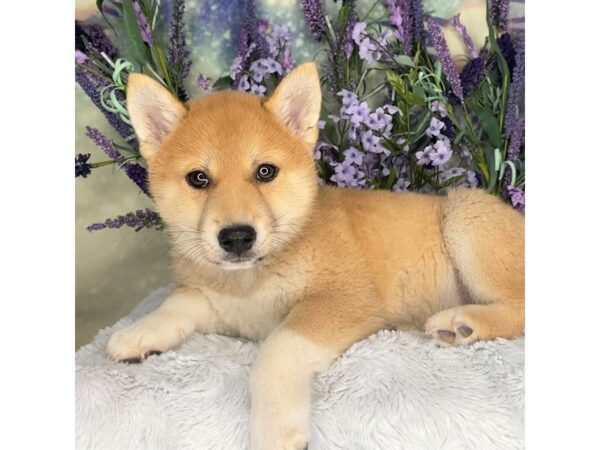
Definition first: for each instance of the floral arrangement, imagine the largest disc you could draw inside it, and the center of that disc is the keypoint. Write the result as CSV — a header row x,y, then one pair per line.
x,y
397,113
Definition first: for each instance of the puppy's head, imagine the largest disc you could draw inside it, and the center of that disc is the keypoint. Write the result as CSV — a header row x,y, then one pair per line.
x,y
232,174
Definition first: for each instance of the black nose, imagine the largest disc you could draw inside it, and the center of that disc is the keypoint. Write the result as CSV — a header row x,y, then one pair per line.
x,y
237,239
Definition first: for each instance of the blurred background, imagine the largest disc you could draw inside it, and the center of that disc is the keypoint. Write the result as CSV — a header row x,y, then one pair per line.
x,y
116,269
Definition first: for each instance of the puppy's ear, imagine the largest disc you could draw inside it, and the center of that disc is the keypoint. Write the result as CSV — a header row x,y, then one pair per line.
x,y
297,102
153,110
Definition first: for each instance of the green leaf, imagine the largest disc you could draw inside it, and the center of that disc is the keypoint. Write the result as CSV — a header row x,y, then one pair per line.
x,y
405,60
490,159
396,81
222,83
489,123
133,44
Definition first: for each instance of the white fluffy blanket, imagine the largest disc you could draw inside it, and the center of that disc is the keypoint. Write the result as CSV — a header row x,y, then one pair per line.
x,y
394,390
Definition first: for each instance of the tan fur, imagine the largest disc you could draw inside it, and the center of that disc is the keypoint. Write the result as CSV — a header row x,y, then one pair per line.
x,y
330,266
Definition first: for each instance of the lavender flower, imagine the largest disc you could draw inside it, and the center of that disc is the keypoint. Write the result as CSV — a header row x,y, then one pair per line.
x,y
499,13
347,43
91,37
354,156
439,42
82,167
314,18
514,148
435,127
507,49
138,220
178,55
139,175
203,83
424,156
455,21
417,22
517,86
258,89
441,153
134,171
439,107
92,85
143,23
347,174
103,143
473,73
517,198
80,57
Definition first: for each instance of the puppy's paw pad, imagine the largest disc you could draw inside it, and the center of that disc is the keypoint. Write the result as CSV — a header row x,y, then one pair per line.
x,y
448,328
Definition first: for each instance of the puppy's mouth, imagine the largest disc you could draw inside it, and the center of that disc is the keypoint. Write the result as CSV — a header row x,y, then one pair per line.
x,y
239,263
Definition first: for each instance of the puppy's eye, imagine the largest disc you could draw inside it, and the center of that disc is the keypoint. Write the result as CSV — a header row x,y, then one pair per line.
x,y
266,172
197,179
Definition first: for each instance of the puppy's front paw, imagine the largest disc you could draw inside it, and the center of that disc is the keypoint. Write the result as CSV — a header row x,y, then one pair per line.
x,y
151,335
282,439
450,328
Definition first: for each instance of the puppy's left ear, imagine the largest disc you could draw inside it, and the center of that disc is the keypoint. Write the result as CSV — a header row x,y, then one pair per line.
x,y
154,112
297,102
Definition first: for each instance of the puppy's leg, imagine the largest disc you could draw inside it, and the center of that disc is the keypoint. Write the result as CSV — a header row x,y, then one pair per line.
x,y
183,312
304,344
485,241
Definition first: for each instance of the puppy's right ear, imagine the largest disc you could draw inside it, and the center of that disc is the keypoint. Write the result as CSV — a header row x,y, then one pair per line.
x,y
153,110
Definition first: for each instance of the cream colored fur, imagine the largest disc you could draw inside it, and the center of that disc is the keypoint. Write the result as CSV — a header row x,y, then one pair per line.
x,y
329,267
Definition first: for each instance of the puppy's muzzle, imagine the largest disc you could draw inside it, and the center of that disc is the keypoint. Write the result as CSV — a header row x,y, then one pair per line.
x,y
237,238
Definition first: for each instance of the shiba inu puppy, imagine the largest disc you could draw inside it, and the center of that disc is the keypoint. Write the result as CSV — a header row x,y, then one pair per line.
x,y
260,250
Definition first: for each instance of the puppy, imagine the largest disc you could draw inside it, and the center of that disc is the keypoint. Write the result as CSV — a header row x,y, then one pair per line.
x,y
259,250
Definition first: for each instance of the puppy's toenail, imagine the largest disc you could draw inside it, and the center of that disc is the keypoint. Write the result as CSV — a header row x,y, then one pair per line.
x,y
131,360
152,352
446,336
465,331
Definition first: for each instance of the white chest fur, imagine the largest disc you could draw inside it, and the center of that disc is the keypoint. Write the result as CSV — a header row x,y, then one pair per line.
x,y
257,313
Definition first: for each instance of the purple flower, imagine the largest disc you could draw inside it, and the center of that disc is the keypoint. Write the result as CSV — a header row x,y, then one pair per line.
x,y
435,127
517,86
452,173
348,98
103,143
258,89
178,55
471,179
314,18
455,21
347,175
401,185
439,107
517,198
287,61
203,83
96,39
514,148
82,167
379,120
424,156
353,156
417,22
143,23
138,220
80,57
439,43
473,73
243,84
347,43
92,86
507,49
406,16
441,154
499,13
135,172
359,113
